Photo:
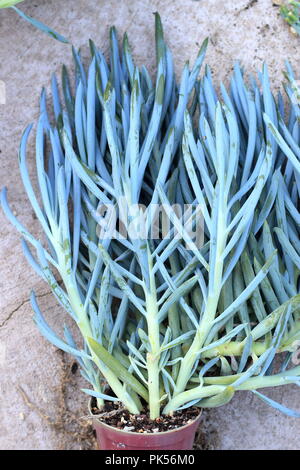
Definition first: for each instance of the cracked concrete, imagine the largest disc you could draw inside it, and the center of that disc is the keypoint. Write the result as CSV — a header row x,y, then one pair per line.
x,y
249,31
11,314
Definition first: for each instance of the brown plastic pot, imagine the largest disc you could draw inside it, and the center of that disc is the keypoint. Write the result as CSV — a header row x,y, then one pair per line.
x,y
110,438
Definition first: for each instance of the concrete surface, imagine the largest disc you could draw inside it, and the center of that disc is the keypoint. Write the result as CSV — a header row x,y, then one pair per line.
x,y
39,391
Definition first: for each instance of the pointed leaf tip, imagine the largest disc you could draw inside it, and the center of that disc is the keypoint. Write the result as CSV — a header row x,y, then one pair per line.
x,y
159,38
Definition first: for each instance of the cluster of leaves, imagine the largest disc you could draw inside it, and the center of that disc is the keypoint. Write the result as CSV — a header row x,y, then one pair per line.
x,y
165,322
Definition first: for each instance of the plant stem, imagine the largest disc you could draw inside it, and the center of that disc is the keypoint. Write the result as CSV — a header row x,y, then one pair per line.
x,y
235,348
117,386
252,384
174,323
85,329
154,355
215,286
189,359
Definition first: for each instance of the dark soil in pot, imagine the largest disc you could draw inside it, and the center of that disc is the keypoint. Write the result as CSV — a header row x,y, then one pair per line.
x,y
117,429
114,415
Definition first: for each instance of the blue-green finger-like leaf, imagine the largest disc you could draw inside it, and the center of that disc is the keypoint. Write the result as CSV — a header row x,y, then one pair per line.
x,y
222,340
240,246
181,339
48,276
269,105
120,280
280,330
246,353
271,320
90,111
135,352
79,68
275,275
103,302
79,127
197,66
208,366
38,24
252,370
288,247
55,97
71,342
49,334
119,323
255,299
268,204
188,405
116,70
27,183
247,292
31,260
83,175
277,406
23,231
180,291
40,166
95,394
179,226
282,144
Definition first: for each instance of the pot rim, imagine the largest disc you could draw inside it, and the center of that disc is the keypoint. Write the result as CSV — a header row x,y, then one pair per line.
x,y
121,431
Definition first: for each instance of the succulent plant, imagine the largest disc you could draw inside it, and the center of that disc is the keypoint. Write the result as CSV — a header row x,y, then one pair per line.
x,y
167,322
